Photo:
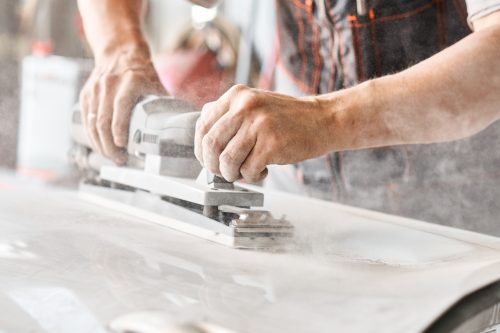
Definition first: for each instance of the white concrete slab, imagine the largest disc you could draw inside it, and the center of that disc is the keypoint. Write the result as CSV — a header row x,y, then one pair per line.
x,y
69,266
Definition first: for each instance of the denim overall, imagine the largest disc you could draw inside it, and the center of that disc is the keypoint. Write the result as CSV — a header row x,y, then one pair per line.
x,y
327,45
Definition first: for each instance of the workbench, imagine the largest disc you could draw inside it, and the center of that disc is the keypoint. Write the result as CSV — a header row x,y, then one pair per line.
x,y
69,266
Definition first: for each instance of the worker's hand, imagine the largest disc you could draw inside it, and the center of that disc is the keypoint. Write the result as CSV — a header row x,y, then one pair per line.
x,y
247,129
106,101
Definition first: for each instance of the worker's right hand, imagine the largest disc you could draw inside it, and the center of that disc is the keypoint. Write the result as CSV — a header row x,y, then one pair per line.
x,y
107,99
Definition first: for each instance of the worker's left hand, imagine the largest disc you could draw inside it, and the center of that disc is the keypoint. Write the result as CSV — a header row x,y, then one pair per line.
x,y
247,129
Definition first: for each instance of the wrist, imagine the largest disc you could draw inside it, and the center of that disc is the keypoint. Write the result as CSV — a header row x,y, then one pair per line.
x,y
353,117
129,44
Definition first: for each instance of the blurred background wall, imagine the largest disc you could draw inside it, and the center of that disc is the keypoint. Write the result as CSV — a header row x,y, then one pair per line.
x,y
9,81
167,18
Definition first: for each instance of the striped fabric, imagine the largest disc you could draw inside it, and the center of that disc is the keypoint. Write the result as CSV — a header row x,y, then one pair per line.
x,y
324,44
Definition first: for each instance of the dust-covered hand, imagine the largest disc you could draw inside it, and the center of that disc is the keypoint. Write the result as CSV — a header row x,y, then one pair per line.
x,y
247,129
123,72
115,85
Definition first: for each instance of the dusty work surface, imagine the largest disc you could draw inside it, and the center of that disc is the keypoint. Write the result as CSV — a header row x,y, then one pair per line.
x,y
69,266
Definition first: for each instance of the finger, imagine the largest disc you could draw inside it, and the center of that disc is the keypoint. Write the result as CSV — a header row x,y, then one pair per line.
x,y
217,139
104,121
201,131
92,118
210,113
254,168
83,101
261,176
123,104
197,143
255,178
235,154
216,109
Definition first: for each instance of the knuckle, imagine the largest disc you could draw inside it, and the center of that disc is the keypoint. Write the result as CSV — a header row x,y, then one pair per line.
x,y
247,101
103,123
238,88
249,173
204,117
227,159
261,121
254,179
93,133
210,143
207,107
105,83
213,169
203,127
261,176
128,82
249,98
118,129
102,80
94,90
122,104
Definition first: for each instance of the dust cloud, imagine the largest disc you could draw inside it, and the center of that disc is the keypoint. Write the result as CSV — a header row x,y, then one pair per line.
x,y
449,183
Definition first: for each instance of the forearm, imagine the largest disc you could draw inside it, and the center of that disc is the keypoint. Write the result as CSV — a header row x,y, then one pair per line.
x,y
451,95
113,26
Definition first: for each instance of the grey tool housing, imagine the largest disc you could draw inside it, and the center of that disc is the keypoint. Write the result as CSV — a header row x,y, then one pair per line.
x,y
161,138
159,182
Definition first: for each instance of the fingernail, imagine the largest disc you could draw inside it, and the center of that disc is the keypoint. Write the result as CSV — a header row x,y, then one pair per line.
x,y
121,159
121,142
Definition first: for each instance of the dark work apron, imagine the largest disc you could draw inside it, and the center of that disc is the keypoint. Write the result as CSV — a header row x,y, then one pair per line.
x,y
328,45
